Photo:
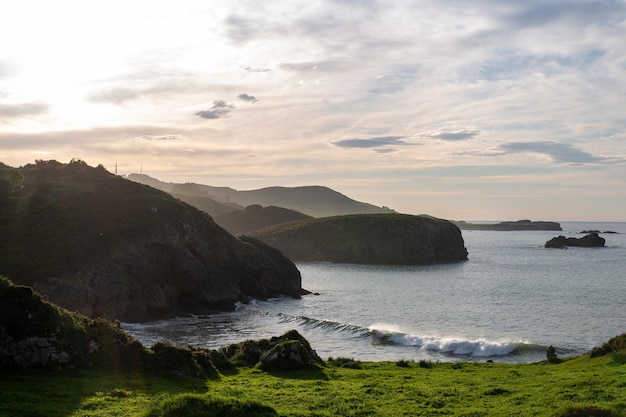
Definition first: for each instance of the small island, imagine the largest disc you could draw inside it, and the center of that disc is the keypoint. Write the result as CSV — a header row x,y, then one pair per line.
x,y
592,240
510,225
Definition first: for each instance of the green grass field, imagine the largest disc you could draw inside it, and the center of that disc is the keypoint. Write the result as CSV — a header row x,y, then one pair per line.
x,y
582,386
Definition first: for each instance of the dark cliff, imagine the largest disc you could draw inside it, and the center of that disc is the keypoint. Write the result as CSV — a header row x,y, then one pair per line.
x,y
368,239
108,247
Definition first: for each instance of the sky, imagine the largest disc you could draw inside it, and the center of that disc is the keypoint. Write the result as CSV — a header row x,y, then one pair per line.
x,y
463,109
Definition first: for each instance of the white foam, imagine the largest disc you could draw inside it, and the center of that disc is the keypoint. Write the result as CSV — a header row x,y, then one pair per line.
x,y
456,346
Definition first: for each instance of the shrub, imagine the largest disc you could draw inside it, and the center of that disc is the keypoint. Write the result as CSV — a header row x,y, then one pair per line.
x,y
615,344
344,363
585,411
402,363
197,405
425,364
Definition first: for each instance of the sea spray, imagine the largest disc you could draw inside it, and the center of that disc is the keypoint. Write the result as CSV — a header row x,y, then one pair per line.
x,y
392,334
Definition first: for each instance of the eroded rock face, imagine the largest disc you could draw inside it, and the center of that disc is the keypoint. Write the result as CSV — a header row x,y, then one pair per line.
x,y
592,240
107,247
369,239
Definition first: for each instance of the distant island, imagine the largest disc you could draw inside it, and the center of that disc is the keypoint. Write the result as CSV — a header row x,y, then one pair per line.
x,y
509,225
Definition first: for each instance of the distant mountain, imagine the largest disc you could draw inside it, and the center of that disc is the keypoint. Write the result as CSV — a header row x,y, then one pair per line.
x,y
104,246
256,217
389,239
315,201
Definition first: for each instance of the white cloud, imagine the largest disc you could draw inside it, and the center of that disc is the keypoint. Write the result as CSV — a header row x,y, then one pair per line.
x,y
339,87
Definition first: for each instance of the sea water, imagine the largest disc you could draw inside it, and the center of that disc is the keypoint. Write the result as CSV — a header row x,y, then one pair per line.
x,y
510,301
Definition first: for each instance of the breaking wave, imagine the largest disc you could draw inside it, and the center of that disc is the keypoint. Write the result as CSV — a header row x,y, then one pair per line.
x,y
388,334
383,334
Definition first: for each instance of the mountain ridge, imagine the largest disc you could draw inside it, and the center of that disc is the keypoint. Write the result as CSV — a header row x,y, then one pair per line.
x,y
312,200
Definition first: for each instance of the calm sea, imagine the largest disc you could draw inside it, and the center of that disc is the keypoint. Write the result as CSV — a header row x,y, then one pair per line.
x,y
507,303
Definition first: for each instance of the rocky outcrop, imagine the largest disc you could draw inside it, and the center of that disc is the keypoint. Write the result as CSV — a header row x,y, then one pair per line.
x,y
288,352
510,226
591,240
107,247
35,333
369,239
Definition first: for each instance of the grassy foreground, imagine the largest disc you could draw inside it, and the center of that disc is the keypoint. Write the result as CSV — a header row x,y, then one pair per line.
x,y
582,386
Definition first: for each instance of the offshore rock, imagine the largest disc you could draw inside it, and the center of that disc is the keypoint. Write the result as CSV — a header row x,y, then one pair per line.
x,y
592,240
389,239
107,247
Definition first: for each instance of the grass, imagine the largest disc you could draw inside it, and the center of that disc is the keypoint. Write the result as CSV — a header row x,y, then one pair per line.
x,y
373,389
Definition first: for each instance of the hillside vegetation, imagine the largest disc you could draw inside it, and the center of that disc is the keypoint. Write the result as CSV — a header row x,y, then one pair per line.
x,y
399,239
108,247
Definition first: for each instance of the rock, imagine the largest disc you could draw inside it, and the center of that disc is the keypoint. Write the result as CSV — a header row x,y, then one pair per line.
x,y
288,352
368,239
107,247
551,355
591,240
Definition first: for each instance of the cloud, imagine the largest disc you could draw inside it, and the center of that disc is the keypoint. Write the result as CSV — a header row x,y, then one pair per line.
x,y
246,97
11,111
218,110
161,137
372,142
558,152
256,69
117,95
457,135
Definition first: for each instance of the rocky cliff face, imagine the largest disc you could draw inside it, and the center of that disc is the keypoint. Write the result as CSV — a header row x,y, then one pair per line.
x,y
107,247
369,239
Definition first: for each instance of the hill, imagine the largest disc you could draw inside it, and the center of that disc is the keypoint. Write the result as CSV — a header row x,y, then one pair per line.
x,y
368,239
256,217
315,201
108,247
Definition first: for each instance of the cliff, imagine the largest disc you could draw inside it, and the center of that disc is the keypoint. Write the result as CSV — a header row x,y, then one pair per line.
x,y
108,247
368,239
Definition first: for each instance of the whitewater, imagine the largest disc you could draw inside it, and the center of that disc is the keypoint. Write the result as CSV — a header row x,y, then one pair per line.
x,y
510,301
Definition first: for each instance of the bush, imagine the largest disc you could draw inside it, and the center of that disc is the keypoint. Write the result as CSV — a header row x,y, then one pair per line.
x,y
613,345
402,363
425,364
197,405
585,411
344,363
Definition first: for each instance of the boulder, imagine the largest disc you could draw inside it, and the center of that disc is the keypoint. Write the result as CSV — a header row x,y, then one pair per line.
x,y
288,352
591,240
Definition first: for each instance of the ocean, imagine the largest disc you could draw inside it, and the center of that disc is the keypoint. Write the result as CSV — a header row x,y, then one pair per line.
x,y
510,301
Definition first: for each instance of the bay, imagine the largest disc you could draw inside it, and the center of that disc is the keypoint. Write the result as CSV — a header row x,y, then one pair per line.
x,y
510,301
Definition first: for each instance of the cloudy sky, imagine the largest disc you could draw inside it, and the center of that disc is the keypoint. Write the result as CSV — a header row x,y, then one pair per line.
x,y
463,109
